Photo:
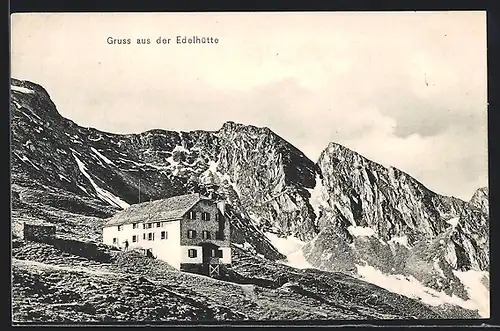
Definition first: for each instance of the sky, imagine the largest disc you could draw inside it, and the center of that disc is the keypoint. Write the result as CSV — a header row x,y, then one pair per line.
x,y
407,89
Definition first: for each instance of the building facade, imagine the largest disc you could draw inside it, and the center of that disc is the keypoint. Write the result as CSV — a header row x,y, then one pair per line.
x,y
189,232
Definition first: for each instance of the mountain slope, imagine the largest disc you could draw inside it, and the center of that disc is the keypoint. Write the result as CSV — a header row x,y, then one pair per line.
x,y
51,152
480,199
380,217
352,212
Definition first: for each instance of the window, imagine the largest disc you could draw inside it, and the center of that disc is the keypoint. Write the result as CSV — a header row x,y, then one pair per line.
x,y
150,225
213,252
144,236
120,227
192,215
191,234
135,239
158,224
219,253
192,253
218,235
134,225
144,226
151,236
205,234
164,235
217,217
205,216
115,241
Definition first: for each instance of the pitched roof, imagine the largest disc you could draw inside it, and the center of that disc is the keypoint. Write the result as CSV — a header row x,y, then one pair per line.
x,y
158,210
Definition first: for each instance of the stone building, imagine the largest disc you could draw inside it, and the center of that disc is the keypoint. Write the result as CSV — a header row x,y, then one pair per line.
x,y
35,231
190,232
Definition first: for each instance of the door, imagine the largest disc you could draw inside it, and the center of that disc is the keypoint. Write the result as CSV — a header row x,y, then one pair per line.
x,y
210,253
214,270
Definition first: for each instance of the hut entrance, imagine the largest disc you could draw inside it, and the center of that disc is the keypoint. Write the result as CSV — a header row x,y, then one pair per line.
x,y
211,255
213,270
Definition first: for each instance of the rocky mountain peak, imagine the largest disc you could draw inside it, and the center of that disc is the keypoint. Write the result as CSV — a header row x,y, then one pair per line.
x,y
26,94
480,199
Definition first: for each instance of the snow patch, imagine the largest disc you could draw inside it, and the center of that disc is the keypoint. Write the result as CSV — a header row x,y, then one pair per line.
x,y
453,221
130,161
478,293
180,148
96,139
291,247
156,166
26,160
18,106
82,188
316,199
102,193
392,178
285,246
403,241
105,159
412,288
257,220
212,166
21,89
172,162
360,231
62,177
223,177
297,260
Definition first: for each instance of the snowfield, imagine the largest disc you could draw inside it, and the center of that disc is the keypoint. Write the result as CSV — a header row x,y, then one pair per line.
x,y
360,231
412,288
291,247
21,89
102,193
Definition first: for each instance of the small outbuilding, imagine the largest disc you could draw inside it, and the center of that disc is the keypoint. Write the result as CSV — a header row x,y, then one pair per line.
x,y
38,231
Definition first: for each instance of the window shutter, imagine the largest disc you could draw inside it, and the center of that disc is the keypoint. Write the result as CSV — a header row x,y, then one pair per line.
x,y
192,253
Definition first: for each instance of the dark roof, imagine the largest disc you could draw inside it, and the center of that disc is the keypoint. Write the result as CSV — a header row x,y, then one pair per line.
x,y
154,211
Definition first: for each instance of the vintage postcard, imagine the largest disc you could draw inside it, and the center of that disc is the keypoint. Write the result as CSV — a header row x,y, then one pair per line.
x,y
306,166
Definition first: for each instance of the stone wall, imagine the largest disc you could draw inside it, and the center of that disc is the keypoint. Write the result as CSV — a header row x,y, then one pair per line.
x,y
38,232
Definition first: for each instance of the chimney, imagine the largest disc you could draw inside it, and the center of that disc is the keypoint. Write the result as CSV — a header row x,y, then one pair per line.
x,y
222,206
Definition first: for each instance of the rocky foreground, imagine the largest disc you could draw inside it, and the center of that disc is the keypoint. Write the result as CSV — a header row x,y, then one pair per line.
x,y
80,280
129,287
